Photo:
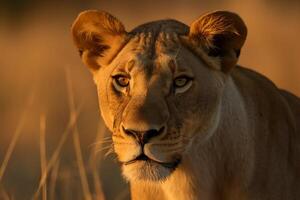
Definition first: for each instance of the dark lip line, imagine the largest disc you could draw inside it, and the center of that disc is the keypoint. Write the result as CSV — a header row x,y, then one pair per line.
x,y
143,157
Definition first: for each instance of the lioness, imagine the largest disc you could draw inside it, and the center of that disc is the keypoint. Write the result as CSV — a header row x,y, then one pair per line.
x,y
186,121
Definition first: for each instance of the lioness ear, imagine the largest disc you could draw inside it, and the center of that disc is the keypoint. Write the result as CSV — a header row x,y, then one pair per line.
x,y
222,34
98,36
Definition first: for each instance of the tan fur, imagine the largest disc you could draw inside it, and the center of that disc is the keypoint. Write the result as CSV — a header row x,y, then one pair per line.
x,y
237,135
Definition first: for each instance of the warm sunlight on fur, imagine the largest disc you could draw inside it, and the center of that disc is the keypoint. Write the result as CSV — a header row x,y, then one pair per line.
x,y
186,121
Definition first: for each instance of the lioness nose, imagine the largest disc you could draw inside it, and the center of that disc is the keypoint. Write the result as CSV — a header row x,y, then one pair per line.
x,y
144,136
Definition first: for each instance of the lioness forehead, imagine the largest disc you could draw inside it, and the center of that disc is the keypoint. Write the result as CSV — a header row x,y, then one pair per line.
x,y
152,56
166,26
153,45
157,38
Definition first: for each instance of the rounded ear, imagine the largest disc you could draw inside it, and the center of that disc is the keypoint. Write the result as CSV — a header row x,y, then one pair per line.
x,y
221,34
98,36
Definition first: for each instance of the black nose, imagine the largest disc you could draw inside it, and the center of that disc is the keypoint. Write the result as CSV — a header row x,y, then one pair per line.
x,y
143,136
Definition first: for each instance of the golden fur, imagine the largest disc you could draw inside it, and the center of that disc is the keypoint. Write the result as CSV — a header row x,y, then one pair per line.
x,y
227,134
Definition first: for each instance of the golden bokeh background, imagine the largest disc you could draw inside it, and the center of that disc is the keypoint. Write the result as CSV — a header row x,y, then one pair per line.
x,y
37,57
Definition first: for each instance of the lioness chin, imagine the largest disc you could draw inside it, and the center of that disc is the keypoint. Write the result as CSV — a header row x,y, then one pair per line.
x,y
186,121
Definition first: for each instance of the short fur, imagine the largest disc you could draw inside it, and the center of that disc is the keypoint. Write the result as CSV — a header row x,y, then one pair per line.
x,y
236,135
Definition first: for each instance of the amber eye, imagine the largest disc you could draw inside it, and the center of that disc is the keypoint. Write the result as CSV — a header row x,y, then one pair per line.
x,y
182,84
121,81
181,81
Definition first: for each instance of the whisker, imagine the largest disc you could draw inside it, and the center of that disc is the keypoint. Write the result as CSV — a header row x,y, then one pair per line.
x,y
102,141
103,147
99,143
110,151
115,159
106,138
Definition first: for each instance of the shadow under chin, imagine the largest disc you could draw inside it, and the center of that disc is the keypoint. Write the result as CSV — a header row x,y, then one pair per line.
x,y
147,171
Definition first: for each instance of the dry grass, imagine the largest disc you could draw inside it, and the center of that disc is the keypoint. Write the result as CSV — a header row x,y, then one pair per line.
x,y
43,155
50,169
55,156
53,180
94,165
53,165
76,142
16,136
50,156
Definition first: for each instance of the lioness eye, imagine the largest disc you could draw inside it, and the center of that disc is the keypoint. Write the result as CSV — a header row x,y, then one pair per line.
x,y
182,84
121,81
181,81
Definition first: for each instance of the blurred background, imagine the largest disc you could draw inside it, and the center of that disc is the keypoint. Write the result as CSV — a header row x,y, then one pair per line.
x,y
49,117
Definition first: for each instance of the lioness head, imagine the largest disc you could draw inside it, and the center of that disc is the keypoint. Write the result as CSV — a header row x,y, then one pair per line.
x,y
160,84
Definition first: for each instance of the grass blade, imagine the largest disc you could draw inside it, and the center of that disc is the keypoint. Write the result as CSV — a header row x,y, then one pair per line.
x,y
76,142
53,180
55,156
94,165
43,155
16,135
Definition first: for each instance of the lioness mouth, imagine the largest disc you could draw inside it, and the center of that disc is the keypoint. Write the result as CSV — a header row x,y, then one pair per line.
x,y
143,157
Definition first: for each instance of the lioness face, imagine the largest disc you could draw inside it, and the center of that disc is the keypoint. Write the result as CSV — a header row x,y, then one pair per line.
x,y
156,92
150,100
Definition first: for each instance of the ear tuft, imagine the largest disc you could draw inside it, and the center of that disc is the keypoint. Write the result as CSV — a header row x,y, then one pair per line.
x,y
94,33
222,34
